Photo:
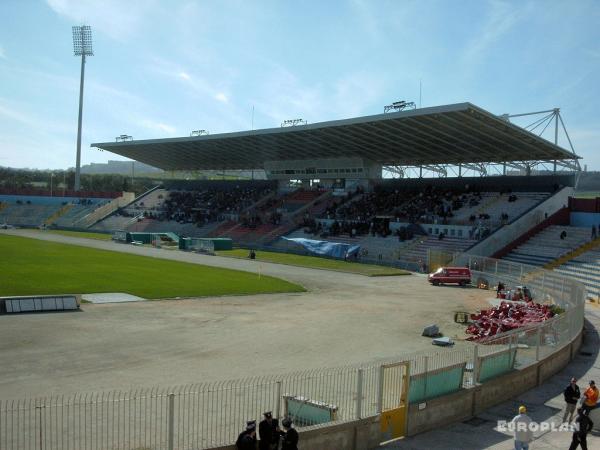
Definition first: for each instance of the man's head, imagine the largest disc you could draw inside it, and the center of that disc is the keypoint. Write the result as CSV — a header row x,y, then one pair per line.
x,y
522,409
251,425
573,380
287,423
268,416
592,384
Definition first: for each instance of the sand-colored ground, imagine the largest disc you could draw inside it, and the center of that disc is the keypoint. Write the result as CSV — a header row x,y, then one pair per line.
x,y
342,319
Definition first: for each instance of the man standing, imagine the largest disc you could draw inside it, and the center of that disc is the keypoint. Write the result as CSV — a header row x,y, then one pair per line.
x,y
585,425
269,432
571,394
290,435
521,425
247,439
591,397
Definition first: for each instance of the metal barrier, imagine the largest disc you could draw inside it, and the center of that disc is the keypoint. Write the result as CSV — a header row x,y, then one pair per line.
x,y
210,415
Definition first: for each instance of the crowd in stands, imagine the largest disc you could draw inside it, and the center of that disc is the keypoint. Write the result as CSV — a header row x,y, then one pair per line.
x,y
255,219
432,205
429,206
206,206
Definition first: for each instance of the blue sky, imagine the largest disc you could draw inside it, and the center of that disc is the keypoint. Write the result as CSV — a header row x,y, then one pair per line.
x,y
164,68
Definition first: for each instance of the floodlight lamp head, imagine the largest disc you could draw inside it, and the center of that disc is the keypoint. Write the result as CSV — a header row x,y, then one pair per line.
x,y
82,40
123,138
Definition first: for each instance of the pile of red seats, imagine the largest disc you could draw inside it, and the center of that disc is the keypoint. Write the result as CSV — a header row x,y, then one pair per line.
x,y
506,317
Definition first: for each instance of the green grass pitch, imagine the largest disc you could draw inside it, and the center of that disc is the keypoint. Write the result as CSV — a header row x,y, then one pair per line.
x,y
315,262
30,266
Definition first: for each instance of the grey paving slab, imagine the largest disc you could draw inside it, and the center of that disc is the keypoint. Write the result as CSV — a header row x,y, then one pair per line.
x,y
111,297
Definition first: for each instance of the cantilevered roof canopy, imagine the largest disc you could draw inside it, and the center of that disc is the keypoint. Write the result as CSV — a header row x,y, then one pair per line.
x,y
452,134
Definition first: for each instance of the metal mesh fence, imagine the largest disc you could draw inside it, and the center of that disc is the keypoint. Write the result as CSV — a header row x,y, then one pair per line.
x,y
207,415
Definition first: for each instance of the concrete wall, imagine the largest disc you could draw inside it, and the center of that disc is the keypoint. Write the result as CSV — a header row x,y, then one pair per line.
x,y
469,402
508,233
585,219
356,435
440,411
504,388
554,363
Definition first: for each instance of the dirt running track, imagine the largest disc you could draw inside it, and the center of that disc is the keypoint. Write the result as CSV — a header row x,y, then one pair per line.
x,y
342,319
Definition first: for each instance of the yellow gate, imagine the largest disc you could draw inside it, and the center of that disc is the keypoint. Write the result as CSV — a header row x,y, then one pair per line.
x,y
393,400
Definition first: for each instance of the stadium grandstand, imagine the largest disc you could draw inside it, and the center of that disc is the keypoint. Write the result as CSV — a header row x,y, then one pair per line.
x,y
326,181
484,187
330,182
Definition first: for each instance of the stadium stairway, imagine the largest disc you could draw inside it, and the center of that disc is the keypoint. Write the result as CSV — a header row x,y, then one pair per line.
x,y
586,269
73,215
61,212
546,246
419,249
583,264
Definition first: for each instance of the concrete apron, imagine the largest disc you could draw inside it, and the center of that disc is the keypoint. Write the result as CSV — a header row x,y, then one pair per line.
x,y
366,434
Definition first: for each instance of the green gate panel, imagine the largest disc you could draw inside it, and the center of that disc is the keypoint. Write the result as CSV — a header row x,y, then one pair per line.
x,y
496,364
436,383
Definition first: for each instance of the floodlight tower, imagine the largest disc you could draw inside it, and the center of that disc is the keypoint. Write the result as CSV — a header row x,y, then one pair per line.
x,y
82,46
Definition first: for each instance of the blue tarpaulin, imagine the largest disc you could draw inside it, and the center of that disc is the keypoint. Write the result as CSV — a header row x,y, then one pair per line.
x,y
326,248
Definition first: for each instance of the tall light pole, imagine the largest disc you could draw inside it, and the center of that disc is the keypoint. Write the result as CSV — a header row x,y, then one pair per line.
x,y
82,46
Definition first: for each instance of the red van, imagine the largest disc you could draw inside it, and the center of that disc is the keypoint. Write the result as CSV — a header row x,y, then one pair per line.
x,y
444,275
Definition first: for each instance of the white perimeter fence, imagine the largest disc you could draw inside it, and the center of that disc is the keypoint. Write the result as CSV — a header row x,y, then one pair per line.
x,y
209,415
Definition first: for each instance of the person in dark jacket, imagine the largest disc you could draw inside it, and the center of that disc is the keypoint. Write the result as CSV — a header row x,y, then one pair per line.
x,y
571,394
290,435
247,438
585,426
268,429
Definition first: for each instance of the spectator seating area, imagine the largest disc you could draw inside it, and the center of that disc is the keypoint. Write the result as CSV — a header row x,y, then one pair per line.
x,y
74,214
297,199
498,207
435,206
585,268
273,217
27,215
117,221
548,245
209,205
34,211
185,212
418,252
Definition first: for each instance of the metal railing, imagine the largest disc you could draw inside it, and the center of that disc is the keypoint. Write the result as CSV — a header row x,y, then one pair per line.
x,y
208,415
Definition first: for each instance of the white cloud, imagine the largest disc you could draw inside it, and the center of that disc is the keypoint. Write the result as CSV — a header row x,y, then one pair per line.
x,y
118,19
194,83
2,53
222,97
13,114
502,17
593,53
17,112
364,11
157,126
